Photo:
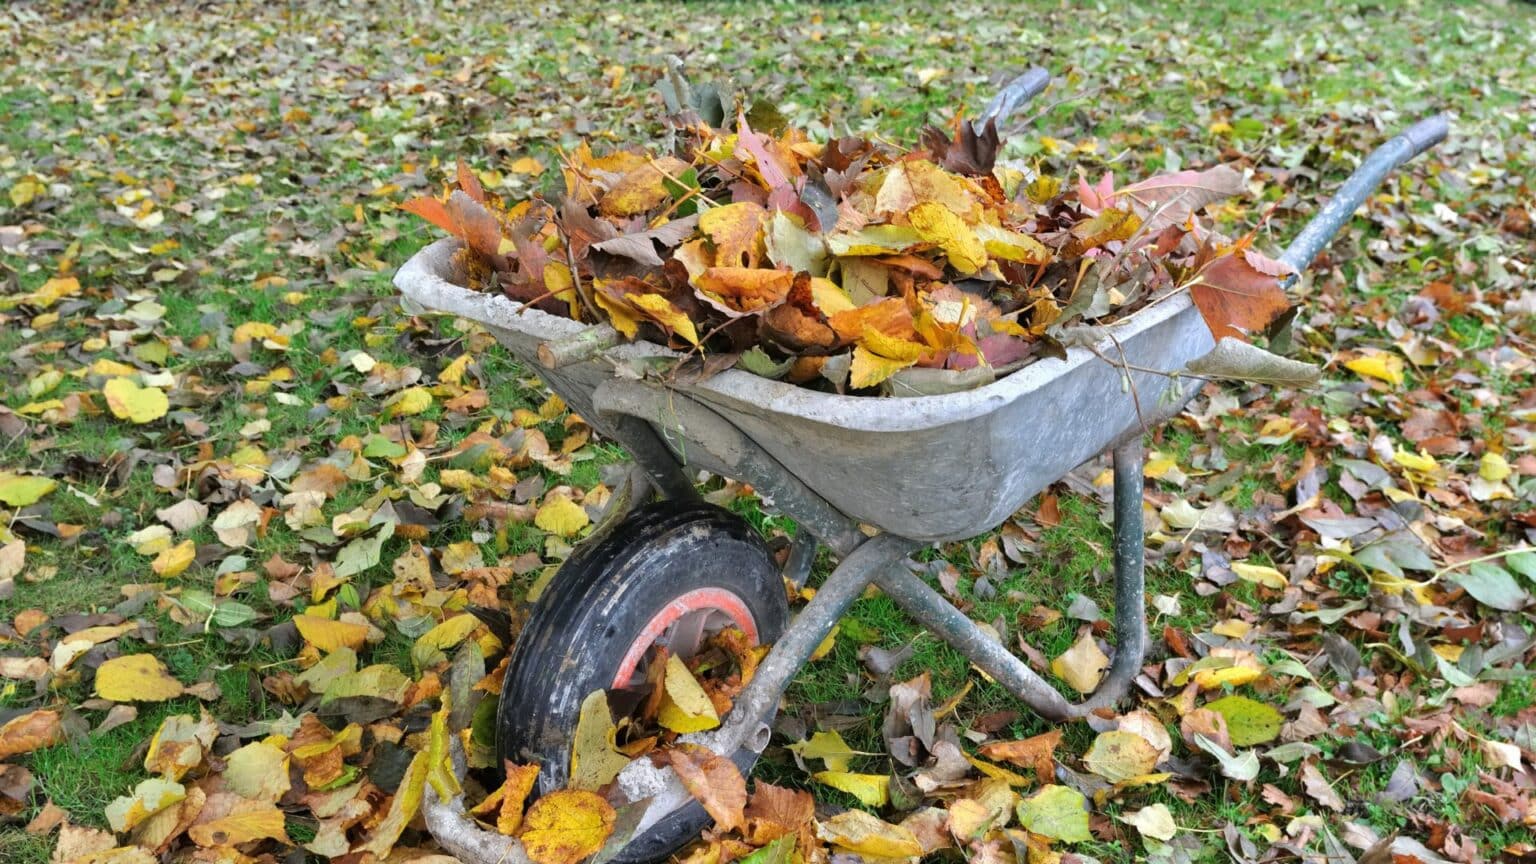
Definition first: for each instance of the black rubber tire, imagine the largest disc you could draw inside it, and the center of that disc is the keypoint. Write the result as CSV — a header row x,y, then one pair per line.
x,y
593,610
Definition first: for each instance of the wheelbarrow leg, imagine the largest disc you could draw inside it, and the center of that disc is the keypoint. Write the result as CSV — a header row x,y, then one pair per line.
x,y
920,601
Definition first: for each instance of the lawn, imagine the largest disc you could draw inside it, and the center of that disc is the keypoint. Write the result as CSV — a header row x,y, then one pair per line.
x,y
203,202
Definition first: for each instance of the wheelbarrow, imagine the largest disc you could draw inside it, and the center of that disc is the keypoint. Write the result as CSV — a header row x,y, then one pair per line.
x,y
870,479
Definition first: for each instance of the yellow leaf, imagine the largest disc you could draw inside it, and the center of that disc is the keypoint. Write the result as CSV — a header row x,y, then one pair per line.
x,y
527,165
938,225
258,771
433,645
1493,467
565,827
873,790
246,821
685,707
128,401
858,832
26,190
1012,246
136,678
22,490
402,809
1082,665
561,516
998,772
1382,366
1118,756
660,309
453,373
642,188
869,369
148,798
830,748
1264,575
328,635
594,759
179,745
408,402
736,231
620,315
174,560
1419,463
251,331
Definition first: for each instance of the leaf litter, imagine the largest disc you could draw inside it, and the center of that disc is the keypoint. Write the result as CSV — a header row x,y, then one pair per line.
x,y
1370,587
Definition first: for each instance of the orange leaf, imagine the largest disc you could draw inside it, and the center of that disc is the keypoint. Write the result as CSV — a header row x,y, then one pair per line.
x,y
32,731
715,782
470,183
1036,753
1236,298
738,291
433,211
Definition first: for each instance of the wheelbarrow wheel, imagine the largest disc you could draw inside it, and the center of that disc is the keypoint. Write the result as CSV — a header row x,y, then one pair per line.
x,y
667,575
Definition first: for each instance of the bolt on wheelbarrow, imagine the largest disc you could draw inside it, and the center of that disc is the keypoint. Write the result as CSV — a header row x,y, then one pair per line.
x,y
871,480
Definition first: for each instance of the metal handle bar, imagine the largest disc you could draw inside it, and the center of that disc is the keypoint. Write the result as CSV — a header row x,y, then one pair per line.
x,y
1383,160
1018,91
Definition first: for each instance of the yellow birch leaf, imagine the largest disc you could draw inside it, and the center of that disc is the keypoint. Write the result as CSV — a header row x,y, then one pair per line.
x,y
24,490
1493,467
258,771
1012,246
565,827
1082,665
1381,366
246,821
660,309
408,402
938,225
620,315
561,516
329,635
1264,575
174,560
148,798
136,678
432,646
863,834
869,368
998,772
402,809
830,748
128,401
872,790
1118,756
685,707
595,761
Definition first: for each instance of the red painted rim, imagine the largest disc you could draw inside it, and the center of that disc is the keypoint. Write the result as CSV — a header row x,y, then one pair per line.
x,y
697,600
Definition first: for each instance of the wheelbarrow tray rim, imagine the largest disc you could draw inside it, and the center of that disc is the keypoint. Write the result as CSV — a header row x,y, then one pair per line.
x,y
420,280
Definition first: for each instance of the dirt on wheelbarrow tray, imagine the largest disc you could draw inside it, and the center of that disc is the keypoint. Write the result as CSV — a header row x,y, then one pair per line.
x,y
850,265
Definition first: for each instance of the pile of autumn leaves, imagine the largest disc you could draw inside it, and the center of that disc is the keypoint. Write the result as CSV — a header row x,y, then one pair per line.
x,y
843,265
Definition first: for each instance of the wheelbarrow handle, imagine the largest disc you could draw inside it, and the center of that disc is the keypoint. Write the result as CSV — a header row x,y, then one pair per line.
x,y
1383,160
1020,90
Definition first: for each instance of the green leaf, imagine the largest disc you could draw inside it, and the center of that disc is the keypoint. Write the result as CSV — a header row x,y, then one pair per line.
x,y
1492,586
1249,721
1057,812
1523,563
